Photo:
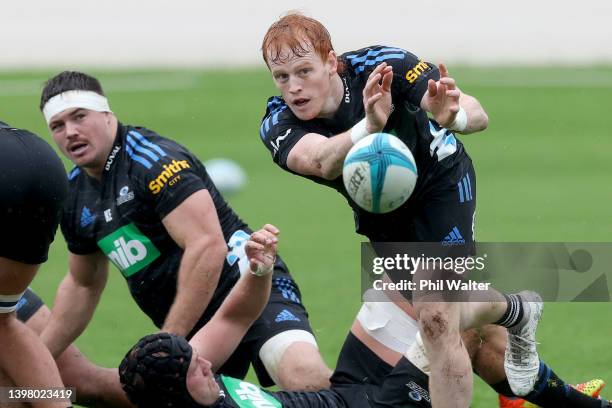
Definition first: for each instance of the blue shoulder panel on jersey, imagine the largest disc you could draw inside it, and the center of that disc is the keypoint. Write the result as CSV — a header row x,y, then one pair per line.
x,y
73,173
275,106
141,150
372,56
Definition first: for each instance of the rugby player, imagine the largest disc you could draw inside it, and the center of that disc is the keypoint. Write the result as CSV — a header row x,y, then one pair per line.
x,y
33,190
164,370
329,103
147,204
94,386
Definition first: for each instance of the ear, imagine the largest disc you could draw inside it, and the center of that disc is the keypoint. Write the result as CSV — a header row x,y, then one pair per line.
x,y
332,62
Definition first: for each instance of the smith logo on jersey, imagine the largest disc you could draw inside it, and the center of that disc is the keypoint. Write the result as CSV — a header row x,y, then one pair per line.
x,y
168,176
414,73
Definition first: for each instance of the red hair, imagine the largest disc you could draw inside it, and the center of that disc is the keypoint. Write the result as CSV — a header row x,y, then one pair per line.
x,y
298,32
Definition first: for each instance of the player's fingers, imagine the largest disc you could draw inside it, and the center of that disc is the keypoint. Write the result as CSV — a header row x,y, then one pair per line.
x,y
254,246
386,82
443,70
432,88
373,80
270,237
380,67
453,93
372,100
449,82
259,237
271,228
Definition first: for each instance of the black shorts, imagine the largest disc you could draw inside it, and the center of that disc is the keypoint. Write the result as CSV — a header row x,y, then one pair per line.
x,y
284,312
358,364
441,209
33,185
364,380
28,305
404,387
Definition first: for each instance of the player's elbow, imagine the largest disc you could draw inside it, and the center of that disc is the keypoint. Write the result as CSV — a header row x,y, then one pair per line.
x,y
484,120
328,170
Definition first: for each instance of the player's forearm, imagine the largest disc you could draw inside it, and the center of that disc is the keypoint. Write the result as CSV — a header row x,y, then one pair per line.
x,y
247,299
329,155
477,117
72,312
198,277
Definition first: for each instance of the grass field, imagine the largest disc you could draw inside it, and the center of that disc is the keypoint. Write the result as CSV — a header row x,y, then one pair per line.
x,y
543,171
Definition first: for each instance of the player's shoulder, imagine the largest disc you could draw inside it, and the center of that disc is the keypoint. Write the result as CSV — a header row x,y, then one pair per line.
x,y
146,150
277,117
364,60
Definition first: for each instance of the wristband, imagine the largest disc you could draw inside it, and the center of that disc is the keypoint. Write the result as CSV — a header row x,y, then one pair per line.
x,y
261,271
359,131
460,122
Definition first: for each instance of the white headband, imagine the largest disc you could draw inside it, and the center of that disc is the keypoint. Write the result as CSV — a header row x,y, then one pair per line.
x,y
75,99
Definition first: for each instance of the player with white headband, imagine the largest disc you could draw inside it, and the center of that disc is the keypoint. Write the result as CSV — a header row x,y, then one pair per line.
x,y
147,204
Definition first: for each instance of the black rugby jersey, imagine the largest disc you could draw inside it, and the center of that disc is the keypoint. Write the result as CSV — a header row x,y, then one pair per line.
x,y
429,143
236,393
146,176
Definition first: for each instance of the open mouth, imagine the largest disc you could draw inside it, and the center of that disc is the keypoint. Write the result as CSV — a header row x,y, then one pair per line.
x,y
300,102
78,148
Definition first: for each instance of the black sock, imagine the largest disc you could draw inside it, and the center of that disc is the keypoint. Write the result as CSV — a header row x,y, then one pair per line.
x,y
503,388
550,391
514,311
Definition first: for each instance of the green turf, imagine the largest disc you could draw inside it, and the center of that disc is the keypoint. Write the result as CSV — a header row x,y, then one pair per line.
x,y
543,175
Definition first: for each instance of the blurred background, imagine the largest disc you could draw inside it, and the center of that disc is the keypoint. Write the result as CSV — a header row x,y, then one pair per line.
x,y
192,71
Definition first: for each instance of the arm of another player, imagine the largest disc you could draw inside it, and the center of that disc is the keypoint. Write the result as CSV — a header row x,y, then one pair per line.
x,y
317,155
218,339
444,100
195,227
77,297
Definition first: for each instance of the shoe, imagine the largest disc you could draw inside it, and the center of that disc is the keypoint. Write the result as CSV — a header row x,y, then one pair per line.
x,y
521,361
591,388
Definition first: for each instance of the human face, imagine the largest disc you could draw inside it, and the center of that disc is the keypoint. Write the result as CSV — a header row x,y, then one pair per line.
x,y
201,383
308,84
85,137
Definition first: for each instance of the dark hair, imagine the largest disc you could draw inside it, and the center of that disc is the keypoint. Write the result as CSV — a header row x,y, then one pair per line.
x,y
69,81
154,372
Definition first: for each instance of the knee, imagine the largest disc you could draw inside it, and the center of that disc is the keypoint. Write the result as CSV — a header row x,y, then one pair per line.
x,y
436,324
303,373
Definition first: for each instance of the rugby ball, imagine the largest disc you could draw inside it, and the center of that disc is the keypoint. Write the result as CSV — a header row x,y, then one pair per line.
x,y
379,173
227,175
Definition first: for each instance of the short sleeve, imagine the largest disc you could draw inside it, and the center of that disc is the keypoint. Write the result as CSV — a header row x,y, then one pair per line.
x,y
78,243
280,130
168,180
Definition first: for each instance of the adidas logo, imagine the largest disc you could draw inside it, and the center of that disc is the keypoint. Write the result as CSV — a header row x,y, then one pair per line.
x,y
286,315
87,218
453,238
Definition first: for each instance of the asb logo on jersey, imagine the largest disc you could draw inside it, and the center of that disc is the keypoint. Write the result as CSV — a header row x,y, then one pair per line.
x,y
169,176
129,249
414,73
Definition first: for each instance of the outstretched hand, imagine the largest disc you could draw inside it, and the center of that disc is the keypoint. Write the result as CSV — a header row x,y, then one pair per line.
x,y
442,98
377,97
261,250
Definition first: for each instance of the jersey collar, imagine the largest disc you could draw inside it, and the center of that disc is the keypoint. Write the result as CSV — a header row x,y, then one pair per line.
x,y
117,146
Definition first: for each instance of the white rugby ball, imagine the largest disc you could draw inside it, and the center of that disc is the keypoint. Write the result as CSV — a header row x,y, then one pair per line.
x,y
227,175
379,173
